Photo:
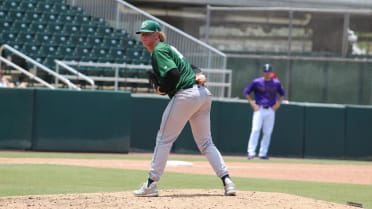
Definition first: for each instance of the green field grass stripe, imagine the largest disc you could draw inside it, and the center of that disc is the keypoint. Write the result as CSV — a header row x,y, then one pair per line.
x,y
56,179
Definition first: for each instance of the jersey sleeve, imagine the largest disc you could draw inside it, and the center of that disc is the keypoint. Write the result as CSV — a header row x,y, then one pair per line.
x,y
280,89
164,61
249,88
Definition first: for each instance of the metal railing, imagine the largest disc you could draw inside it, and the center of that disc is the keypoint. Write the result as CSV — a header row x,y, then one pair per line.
x,y
122,15
76,75
30,75
36,64
220,80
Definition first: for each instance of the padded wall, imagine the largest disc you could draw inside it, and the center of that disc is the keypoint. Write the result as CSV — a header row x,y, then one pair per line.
x,y
84,121
324,131
16,114
288,135
358,139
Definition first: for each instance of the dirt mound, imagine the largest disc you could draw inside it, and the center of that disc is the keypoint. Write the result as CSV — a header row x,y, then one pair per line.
x,y
179,199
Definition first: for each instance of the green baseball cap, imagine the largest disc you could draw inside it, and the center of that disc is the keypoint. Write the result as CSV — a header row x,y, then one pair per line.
x,y
149,26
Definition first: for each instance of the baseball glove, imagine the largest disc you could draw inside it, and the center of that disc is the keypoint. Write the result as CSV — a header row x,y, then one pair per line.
x,y
153,81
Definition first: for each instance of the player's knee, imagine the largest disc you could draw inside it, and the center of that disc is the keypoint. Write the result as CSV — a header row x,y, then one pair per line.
x,y
204,146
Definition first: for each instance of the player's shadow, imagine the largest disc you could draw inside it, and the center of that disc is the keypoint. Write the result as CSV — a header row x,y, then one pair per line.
x,y
192,195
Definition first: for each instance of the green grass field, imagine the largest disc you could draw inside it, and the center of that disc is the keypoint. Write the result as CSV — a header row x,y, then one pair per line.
x,y
56,179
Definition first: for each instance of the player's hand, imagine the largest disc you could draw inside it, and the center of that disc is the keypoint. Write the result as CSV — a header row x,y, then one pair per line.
x,y
160,92
200,79
276,106
255,107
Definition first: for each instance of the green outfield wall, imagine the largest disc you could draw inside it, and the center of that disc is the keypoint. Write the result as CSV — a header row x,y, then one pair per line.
x,y
100,121
64,120
16,115
303,130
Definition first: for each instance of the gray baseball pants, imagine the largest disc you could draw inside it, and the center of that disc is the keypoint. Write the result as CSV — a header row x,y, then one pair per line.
x,y
193,105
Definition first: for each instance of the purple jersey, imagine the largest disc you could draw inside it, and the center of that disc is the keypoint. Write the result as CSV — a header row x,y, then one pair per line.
x,y
266,92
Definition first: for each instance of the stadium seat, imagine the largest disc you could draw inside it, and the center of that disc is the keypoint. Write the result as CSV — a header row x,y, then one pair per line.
x,y
81,52
110,42
76,39
93,41
54,28
27,6
6,25
49,17
32,16
11,4
44,6
25,37
31,49
65,51
103,30
60,39
43,38
48,50
37,27
3,15
20,26
83,20
88,29
71,28
15,15
8,37
117,54
65,18
60,8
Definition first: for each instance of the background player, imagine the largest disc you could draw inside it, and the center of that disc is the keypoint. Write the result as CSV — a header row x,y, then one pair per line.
x,y
189,102
269,95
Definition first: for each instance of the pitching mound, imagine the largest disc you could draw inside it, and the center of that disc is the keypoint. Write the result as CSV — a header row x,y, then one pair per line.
x,y
179,199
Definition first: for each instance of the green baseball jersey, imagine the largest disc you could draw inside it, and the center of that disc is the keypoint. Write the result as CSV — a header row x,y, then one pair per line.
x,y
166,57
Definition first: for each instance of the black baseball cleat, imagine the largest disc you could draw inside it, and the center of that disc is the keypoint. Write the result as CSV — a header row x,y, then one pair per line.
x,y
264,157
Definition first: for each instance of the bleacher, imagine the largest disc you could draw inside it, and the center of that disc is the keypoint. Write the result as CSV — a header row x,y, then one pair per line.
x,y
46,30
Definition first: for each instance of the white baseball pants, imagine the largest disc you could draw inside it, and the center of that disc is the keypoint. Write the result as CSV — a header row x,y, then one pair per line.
x,y
265,119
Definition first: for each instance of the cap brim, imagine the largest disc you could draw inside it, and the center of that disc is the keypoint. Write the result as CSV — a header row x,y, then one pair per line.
x,y
144,31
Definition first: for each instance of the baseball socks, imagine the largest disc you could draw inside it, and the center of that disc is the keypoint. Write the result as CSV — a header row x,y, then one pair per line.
x,y
229,186
226,179
149,182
